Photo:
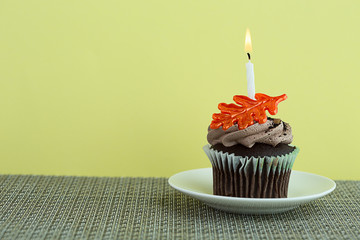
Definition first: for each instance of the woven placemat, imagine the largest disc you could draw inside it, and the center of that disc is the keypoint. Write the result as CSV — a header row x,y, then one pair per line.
x,y
48,207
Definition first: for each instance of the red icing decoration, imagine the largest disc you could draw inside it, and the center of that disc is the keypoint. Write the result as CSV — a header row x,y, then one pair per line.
x,y
246,112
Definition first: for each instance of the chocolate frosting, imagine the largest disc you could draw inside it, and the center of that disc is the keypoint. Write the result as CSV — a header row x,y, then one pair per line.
x,y
272,132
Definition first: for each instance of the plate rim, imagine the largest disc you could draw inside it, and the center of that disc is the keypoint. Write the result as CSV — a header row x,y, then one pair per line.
x,y
279,200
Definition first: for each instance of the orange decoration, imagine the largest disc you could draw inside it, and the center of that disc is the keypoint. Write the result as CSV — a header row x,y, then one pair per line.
x,y
246,112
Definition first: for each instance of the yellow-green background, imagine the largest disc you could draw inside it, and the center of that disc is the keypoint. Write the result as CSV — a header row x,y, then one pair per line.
x,y
127,88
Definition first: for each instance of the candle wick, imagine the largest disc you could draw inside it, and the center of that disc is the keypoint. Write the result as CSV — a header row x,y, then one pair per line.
x,y
248,54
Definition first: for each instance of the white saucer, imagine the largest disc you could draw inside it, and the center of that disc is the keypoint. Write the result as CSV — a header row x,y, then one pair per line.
x,y
303,187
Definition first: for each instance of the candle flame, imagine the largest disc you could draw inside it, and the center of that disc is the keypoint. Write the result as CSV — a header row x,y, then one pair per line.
x,y
248,46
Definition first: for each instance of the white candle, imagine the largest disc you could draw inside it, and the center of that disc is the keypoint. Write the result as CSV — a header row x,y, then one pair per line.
x,y
249,67
250,79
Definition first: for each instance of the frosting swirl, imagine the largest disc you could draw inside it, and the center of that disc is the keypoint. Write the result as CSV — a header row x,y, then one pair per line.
x,y
272,132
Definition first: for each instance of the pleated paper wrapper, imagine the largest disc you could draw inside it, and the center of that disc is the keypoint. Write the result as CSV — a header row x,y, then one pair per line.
x,y
250,177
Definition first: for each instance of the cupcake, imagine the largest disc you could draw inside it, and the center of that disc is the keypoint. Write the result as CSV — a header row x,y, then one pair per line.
x,y
250,153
